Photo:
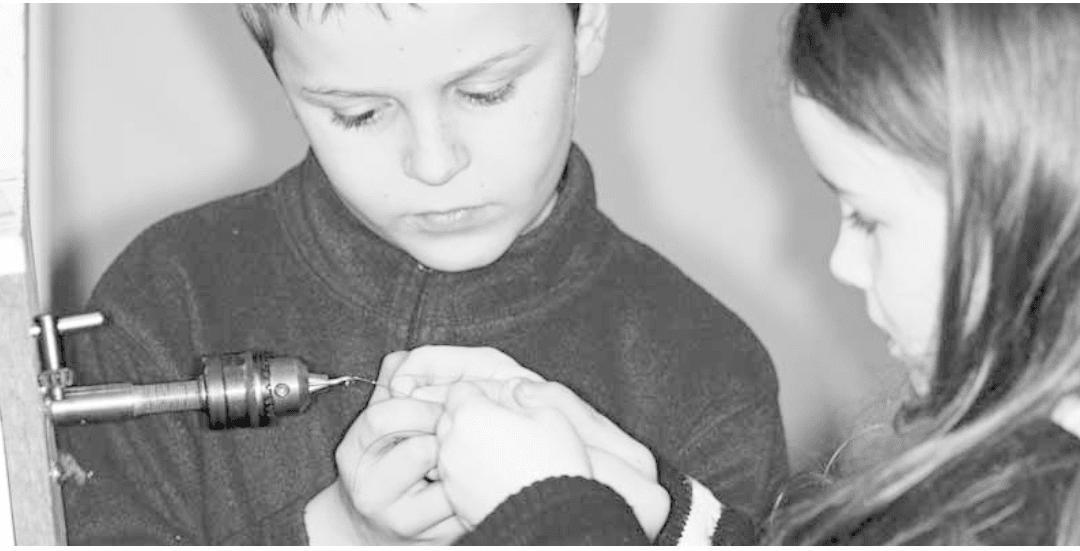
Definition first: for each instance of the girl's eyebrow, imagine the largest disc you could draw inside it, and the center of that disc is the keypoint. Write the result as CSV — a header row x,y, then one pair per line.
x,y
832,186
454,77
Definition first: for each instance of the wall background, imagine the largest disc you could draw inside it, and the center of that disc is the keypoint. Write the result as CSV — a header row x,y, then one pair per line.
x,y
138,111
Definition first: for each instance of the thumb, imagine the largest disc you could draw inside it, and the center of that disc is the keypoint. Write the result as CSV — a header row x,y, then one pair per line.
x,y
460,394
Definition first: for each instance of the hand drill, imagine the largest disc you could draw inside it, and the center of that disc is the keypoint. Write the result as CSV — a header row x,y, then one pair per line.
x,y
243,389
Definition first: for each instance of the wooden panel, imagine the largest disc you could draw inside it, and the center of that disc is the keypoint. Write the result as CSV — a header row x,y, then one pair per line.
x,y
33,497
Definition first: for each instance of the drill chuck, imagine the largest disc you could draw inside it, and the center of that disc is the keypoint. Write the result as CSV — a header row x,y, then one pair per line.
x,y
244,389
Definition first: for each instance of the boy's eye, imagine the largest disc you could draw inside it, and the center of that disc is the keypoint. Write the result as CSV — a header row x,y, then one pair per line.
x,y
492,97
860,222
356,121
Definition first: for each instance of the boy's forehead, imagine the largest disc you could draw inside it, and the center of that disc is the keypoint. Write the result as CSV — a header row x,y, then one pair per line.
x,y
398,38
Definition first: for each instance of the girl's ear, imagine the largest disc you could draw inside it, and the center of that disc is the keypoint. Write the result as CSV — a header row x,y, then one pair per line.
x,y
590,35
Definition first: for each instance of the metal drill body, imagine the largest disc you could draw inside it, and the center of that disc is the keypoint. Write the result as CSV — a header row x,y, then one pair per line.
x,y
117,402
244,389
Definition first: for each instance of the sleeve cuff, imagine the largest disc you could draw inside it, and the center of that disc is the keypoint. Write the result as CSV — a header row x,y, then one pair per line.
x,y
563,510
697,517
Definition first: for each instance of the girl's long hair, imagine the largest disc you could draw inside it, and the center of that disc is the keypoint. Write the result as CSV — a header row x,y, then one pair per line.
x,y
989,95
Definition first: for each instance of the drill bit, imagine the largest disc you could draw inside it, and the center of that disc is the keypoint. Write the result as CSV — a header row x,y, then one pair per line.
x,y
317,382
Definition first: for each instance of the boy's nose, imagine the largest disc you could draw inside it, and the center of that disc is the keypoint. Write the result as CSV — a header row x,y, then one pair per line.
x,y
435,155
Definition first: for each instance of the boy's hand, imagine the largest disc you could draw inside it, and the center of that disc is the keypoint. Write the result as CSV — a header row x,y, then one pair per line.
x,y
490,450
617,459
381,463
403,372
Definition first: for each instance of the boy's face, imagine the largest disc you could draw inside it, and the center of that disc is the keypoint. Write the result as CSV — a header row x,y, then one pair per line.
x,y
445,128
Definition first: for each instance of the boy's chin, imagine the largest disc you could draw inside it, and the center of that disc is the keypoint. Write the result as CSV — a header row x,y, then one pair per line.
x,y
458,257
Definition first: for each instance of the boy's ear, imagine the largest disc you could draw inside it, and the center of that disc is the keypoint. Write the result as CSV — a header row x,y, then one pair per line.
x,y
590,35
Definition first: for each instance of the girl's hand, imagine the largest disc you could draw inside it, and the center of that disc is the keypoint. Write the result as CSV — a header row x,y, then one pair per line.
x,y
617,460
490,448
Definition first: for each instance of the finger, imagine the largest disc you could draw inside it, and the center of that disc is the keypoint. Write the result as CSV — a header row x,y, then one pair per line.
x,y
461,394
431,393
444,533
458,397
429,365
379,429
500,391
390,364
595,429
419,511
391,416
377,482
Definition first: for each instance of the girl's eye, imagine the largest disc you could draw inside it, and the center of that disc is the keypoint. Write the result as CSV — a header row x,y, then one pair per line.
x,y
490,98
860,222
350,122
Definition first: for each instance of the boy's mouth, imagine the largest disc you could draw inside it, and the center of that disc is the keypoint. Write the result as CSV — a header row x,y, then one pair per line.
x,y
453,220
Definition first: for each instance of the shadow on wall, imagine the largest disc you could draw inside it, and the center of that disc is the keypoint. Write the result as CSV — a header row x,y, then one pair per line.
x,y
685,124
809,220
187,112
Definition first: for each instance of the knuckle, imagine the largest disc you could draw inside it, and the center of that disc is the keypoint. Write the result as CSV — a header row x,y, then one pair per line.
x,y
421,448
393,361
555,393
550,415
365,506
423,352
374,515
558,389
464,413
367,426
657,494
397,525
448,456
474,418
342,455
497,356
347,454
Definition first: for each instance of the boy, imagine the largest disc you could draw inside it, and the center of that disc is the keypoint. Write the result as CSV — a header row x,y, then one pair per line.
x,y
442,202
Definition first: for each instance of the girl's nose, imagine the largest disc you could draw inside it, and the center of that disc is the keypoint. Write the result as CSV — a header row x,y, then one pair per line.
x,y
849,262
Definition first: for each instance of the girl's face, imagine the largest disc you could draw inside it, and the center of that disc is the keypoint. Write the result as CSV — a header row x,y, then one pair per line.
x,y
892,238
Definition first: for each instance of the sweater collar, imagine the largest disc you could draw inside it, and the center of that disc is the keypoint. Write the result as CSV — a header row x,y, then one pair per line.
x,y
364,268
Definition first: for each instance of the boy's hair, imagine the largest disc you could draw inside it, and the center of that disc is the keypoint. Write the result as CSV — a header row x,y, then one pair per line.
x,y
258,19
986,95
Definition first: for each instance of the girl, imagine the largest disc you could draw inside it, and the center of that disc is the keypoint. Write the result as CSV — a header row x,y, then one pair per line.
x,y
951,137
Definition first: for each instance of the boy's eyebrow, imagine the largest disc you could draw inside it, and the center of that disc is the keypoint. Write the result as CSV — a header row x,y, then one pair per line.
x,y
493,60
465,73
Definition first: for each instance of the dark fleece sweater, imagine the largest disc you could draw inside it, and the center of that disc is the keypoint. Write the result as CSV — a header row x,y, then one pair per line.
x,y
578,511
287,269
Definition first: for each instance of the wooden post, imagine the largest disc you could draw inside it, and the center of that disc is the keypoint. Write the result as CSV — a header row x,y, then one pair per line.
x,y
32,497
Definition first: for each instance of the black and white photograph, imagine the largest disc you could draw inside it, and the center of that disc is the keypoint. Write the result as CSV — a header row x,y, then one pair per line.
x,y
540,274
